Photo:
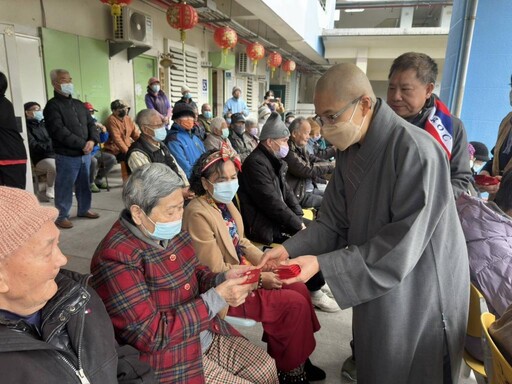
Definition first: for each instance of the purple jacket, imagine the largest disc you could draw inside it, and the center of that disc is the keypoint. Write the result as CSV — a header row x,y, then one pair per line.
x,y
488,232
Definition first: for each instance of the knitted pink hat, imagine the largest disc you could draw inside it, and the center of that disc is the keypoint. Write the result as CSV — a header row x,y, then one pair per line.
x,y
20,217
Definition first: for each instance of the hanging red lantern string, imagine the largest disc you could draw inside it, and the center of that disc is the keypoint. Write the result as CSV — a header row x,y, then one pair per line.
x,y
225,38
115,8
289,66
182,16
274,61
256,52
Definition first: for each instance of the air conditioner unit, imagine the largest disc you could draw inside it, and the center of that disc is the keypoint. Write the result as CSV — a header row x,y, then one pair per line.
x,y
134,27
245,66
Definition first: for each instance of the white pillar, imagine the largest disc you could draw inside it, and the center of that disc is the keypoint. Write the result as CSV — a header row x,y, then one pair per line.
x,y
406,17
362,59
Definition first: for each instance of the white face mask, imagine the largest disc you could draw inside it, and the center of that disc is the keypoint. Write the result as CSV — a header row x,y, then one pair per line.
x,y
67,88
343,134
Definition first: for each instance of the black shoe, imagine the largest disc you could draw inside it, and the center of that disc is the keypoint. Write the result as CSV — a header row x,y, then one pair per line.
x,y
313,373
285,378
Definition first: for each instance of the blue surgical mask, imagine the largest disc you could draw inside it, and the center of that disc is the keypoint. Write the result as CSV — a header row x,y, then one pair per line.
x,y
225,133
228,120
207,114
67,88
187,95
224,192
155,88
164,231
38,115
160,134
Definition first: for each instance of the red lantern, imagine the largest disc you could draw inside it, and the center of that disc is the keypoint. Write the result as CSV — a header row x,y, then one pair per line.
x,y
256,52
225,38
182,16
289,67
274,61
115,8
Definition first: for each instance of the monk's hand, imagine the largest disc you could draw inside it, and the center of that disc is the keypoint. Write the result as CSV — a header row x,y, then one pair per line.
x,y
234,291
272,258
308,267
271,280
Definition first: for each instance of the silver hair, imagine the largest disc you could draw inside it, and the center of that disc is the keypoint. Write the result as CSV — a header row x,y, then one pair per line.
x,y
54,73
148,184
296,124
144,116
217,123
250,123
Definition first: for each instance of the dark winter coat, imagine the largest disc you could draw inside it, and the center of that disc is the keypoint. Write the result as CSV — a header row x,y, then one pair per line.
x,y
76,338
69,124
269,206
39,142
12,147
303,166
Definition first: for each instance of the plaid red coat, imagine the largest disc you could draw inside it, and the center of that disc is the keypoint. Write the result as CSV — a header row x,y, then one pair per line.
x,y
152,297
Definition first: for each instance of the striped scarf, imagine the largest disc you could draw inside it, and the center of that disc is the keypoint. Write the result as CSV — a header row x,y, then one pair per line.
x,y
439,125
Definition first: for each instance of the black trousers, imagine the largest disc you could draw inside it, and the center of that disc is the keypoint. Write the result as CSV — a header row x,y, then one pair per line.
x,y
14,175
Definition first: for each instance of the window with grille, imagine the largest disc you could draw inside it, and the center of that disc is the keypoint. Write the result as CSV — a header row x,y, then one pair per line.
x,y
186,72
250,93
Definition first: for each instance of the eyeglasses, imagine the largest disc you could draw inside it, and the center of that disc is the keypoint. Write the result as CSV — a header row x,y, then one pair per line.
x,y
330,119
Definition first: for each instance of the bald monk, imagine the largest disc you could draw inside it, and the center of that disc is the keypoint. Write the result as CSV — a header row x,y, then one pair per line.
x,y
387,238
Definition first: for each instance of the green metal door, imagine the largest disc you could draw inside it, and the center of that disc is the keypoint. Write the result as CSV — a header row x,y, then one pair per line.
x,y
86,59
144,67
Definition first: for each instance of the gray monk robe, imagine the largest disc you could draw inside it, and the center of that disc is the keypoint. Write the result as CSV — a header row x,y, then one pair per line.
x,y
390,246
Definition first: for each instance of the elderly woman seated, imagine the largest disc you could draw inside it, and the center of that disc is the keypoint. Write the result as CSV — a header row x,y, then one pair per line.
x,y
217,232
162,301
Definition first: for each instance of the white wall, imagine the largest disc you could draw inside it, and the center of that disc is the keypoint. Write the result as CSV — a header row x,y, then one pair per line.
x,y
91,18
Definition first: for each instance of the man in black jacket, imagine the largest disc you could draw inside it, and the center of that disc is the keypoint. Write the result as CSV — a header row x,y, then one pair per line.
x,y
40,145
305,170
269,208
53,326
74,135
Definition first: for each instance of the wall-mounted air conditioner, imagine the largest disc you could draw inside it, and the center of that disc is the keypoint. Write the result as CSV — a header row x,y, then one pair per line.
x,y
134,27
245,66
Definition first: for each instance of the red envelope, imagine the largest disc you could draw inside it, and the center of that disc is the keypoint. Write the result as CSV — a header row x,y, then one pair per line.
x,y
288,271
486,180
254,276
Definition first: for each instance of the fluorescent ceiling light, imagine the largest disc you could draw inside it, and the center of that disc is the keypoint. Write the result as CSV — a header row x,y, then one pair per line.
x,y
354,10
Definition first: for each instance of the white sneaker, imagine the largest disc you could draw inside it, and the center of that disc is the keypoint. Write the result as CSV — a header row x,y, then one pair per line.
x,y
323,302
50,192
327,290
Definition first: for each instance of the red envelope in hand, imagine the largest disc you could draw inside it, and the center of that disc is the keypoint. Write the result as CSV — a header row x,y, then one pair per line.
x,y
486,180
254,276
288,271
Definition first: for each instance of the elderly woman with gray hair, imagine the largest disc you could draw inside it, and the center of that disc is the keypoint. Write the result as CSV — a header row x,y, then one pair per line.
x,y
218,136
162,301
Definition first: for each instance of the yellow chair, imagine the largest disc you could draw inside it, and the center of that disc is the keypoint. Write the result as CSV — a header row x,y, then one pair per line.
x,y
477,306
309,213
501,369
